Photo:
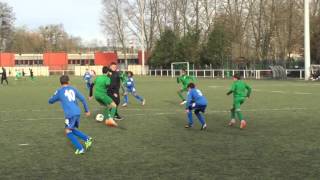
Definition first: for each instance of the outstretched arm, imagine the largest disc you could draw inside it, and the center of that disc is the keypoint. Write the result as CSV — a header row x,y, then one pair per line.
x,y
54,98
83,100
249,90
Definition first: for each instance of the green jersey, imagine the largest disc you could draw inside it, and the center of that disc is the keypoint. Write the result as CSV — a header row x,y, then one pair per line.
x,y
101,84
240,89
185,80
123,77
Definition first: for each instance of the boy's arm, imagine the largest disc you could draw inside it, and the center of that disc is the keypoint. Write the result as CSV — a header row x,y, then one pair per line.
x,y
231,90
189,99
83,100
249,90
54,98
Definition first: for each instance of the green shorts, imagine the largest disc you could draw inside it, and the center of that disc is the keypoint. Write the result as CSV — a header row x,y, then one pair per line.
x,y
103,99
237,102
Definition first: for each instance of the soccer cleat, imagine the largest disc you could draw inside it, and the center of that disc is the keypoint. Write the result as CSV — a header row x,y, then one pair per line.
x,y
124,105
78,152
118,118
88,143
203,127
232,122
188,126
143,102
243,124
183,102
111,123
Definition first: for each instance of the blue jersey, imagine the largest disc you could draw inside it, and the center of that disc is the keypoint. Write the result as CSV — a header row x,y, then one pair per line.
x,y
196,96
130,83
87,76
68,95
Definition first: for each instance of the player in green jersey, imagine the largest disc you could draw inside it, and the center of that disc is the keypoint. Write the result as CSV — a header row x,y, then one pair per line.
x,y
101,84
184,79
240,91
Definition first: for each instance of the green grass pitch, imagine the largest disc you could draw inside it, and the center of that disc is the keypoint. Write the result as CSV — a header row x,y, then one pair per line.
x,y
282,139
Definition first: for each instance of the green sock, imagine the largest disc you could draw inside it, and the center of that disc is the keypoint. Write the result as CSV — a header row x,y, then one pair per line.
x,y
113,112
106,113
180,95
233,113
240,116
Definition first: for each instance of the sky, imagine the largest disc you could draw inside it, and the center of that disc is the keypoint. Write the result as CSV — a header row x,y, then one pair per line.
x,y
79,17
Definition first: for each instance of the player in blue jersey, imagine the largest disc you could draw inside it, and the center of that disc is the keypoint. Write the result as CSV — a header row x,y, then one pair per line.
x,y
130,88
68,95
87,77
197,102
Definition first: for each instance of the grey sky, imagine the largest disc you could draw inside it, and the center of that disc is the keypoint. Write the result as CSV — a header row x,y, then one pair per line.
x,y
79,17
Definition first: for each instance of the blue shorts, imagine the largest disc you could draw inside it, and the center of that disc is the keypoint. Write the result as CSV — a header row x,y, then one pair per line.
x,y
197,108
73,122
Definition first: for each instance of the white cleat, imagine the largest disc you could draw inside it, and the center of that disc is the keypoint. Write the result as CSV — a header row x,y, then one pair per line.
x,y
143,102
232,122
183,102
124,105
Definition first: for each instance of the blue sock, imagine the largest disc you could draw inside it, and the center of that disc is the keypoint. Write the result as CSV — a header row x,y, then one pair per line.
x,y
201,118
190,121
126,99
80,134
74,141
138,97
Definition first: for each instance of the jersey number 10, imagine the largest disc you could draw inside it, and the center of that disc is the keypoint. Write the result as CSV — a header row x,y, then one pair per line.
x,y
70,95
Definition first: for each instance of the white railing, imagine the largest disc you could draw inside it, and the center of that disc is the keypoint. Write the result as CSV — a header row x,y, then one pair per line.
x,y
225,73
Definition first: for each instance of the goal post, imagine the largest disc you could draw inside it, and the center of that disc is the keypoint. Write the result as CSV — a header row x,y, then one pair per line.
x,y
179,65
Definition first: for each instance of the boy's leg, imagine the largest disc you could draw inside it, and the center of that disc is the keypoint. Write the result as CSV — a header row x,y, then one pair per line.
x,y
238,103
200,117
237,106
180,94
71,124
190,120
139,98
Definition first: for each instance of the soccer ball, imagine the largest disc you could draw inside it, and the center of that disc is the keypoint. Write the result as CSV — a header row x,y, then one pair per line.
x,y
99,117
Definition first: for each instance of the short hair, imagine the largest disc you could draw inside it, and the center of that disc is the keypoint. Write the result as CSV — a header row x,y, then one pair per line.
x,y
191,85
64,79
237,76
105,69
130,73
113,63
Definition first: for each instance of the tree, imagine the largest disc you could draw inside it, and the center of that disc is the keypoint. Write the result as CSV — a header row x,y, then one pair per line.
x,y
7,19
165,50
218,46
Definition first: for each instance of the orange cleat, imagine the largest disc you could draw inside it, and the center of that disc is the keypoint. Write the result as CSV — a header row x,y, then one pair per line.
x,y
243,124
111,123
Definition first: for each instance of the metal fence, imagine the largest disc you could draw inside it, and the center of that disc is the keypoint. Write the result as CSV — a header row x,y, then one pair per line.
x,y
227,73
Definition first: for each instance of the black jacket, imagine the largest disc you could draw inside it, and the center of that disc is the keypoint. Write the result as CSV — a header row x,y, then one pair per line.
x,y
115,83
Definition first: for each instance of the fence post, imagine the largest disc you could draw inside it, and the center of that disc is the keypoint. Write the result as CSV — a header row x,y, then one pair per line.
x,y
161,72
204,73
244,74
232,72
300,74
223,73
212,73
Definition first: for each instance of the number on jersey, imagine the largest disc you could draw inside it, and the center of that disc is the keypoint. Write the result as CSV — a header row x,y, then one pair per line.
x,y
69,93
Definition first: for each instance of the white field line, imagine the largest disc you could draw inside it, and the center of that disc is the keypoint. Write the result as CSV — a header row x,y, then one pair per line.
x,y
283,92
23,144
173,113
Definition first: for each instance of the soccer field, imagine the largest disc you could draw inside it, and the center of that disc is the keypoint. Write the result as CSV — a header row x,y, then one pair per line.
x,y
282,139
